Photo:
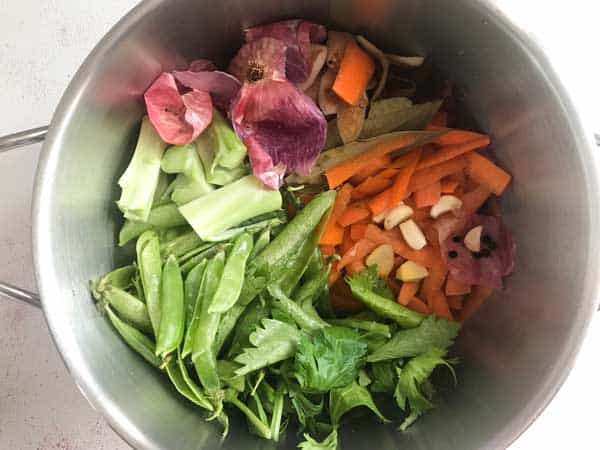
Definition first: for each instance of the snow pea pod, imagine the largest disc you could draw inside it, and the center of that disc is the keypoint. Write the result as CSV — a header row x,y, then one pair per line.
x,y
128,307
120,278
310,290
172,314
191,288
315,265
291,308
174,371
204,254
150,267
197,390
232,279
181,244
137,340
262,240
294,267
163,216
203,354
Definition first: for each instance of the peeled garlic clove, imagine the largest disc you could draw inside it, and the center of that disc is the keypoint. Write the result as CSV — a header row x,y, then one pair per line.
x,y
445,204
413,235
397,215
411,271
473,239
379,217
383,257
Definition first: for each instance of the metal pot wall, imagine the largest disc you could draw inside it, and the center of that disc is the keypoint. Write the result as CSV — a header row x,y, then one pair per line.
x,y
516,352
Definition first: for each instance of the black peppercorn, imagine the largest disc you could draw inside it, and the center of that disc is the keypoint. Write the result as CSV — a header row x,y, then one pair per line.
x,y
452,254
456,239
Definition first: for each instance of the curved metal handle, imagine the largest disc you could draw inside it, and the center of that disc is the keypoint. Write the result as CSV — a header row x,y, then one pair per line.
x,y
10,142
22,138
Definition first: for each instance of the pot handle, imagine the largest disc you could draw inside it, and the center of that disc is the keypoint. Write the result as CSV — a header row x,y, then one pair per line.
x,y
10,142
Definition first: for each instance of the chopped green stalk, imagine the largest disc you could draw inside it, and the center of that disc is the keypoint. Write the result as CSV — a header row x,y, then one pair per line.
x,y
232,279
222,176
172,317
162,216
150,267
304,320
131,309
361,322
228,206
161,188
277,413
190,182
262,429
140,179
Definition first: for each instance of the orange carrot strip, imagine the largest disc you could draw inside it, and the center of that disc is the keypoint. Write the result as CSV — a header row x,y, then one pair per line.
x,y
455,301
342,199
402,181
388,173
418,305
327,250
473,200
357,231
449,186
434,282
487,173
473,301
356,69
332,235
455,287
357,252
380,202
452,151
355,266
339,173
440,306
407,292
370,168
371,186
353,214
347,242
453,137
405,159
428,196
425,177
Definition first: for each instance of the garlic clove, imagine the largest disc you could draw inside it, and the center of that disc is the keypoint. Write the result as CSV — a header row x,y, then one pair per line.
x,y
473,239
396,216
445,204
383,257
411,271
413,235
379,218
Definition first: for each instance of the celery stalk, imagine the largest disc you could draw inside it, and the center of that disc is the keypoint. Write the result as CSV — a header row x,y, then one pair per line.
x,y
190,182
140,179
230,205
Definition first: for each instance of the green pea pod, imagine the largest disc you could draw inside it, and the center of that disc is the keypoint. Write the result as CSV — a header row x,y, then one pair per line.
x,y
161,216
290,272
309,291
150,267
176,376
288,306
262,241
181,244
197,390
189,264
315,265
172,315
137,340
191,288
230,286
128,307
121,278
203,354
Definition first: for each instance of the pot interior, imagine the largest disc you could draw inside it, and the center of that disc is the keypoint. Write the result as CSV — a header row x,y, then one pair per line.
x,y
514,353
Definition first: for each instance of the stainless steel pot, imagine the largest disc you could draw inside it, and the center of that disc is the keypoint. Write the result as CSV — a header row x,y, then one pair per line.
x,y
516,352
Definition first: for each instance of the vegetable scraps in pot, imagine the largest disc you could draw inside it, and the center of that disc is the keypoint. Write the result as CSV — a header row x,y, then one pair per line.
x,y
282,128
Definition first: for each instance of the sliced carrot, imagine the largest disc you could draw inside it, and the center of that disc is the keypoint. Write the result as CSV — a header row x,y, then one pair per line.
x,y
487,173
339,173
418,305
452,151
428,196
357,231
440,119
353,214
327,250
453,137
431,233
355,266
332,235
356,69
434,282
440,306
449,186
347,242
370,168
407,292
342,200
402,181
455,301
406,159
473,301
388,173
424,177
357,252
473,200
371,186
455,287
381,202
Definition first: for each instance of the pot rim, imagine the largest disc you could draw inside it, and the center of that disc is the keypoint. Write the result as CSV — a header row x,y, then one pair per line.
x,y
47,285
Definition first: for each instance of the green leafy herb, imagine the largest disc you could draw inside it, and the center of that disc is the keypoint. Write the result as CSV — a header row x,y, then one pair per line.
x,y
349,397
329,443
433,332
329,359
384,377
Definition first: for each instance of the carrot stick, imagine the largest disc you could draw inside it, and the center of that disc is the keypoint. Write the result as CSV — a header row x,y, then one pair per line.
x,y
370,168
401,183
440,306
407,292
356,69
449,186
371,186
473,301
353,214
474,199
357,231
453,137
455,301
347,242
380,202
332,235
355,266
339,173
425,177
357,252
418,305
455,287
388,173
405,159
452,151
427,257
434,282
428,196
327,250
342,199
487,173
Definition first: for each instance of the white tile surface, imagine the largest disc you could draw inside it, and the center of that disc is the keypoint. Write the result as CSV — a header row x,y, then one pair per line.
x,y
41,45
